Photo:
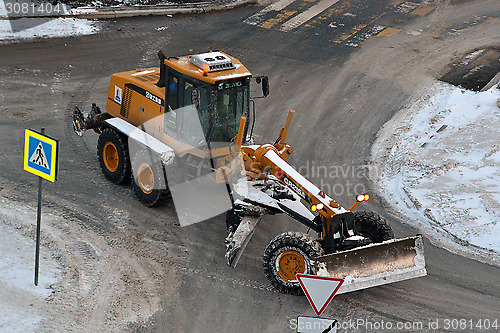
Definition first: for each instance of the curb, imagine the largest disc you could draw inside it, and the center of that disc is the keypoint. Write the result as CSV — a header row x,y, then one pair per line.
x,y
132,11
493,81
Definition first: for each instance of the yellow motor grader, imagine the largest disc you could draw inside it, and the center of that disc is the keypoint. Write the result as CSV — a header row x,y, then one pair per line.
x,y
195,113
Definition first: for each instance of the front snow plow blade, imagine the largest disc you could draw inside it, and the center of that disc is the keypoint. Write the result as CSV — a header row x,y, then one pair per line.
x,y
375,264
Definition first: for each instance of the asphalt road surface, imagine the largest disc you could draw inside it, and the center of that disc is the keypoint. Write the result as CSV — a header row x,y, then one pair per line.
x,y
345,67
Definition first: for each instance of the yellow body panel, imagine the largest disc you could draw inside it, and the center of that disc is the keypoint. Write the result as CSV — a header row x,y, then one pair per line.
x,y
143,78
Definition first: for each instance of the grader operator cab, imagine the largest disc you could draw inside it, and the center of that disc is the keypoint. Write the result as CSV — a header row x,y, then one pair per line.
x,y
200,80
196,112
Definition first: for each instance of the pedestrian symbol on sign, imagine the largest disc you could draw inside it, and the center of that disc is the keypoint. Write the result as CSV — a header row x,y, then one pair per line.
x,y
39,157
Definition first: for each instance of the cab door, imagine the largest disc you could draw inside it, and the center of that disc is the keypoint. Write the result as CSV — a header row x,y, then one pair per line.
x,y
172,100
187,115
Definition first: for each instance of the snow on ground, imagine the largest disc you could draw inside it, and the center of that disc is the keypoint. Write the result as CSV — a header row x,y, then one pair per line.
x,y
439,166
57,27
23,305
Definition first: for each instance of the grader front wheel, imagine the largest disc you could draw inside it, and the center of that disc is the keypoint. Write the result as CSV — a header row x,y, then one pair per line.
x,y
288,254
112,152
372,226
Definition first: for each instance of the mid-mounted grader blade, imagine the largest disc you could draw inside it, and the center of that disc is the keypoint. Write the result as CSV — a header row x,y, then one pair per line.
x,y
237,241
375,264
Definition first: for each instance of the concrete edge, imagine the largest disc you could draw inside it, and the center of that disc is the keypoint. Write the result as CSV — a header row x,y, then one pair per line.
x,y
117,12
493,81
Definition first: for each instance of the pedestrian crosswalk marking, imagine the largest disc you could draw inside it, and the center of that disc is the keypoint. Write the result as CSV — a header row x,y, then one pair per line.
x,y
256,18
338,9
424,10
282,16
389,32
303,17
346,22
357,28
39,157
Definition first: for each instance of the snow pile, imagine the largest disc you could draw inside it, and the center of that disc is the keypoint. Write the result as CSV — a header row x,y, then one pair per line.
x,y
22,305
439,166
59,27
44,28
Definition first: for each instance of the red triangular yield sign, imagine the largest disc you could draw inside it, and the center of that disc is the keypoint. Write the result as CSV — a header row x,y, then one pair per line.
x,y
319,290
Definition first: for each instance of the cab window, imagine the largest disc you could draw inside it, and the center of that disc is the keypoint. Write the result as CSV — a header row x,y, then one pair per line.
x,y
173,90
197,97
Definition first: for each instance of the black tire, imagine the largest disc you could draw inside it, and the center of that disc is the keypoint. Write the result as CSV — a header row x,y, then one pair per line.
x,y
112,152
372,226
287,254
148,179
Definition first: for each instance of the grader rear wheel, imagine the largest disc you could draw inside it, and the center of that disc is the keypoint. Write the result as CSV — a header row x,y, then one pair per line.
x,y
146,178
149,183
288,254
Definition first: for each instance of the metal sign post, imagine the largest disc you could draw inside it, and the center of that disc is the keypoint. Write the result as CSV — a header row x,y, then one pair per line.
x,y
40,158
38,224
319,291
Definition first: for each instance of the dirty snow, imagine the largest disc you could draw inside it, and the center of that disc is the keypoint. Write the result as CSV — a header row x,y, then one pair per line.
x,y
22,304
57,27
438,163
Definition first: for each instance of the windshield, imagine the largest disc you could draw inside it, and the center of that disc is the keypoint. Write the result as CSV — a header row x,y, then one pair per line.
x,y
231,103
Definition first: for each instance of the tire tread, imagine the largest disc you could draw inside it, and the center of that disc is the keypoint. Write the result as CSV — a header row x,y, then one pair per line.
x,y
157,197
310,246
122,174
374,224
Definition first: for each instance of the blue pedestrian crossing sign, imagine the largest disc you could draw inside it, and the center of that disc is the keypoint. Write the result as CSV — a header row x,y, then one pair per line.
x,y
40,154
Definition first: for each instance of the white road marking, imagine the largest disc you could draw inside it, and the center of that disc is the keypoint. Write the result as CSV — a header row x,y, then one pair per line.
x,y
407,7
307,15
258,17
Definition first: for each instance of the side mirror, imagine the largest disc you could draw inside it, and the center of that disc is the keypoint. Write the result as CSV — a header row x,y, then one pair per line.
x,y
264,80
195,97
265,86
